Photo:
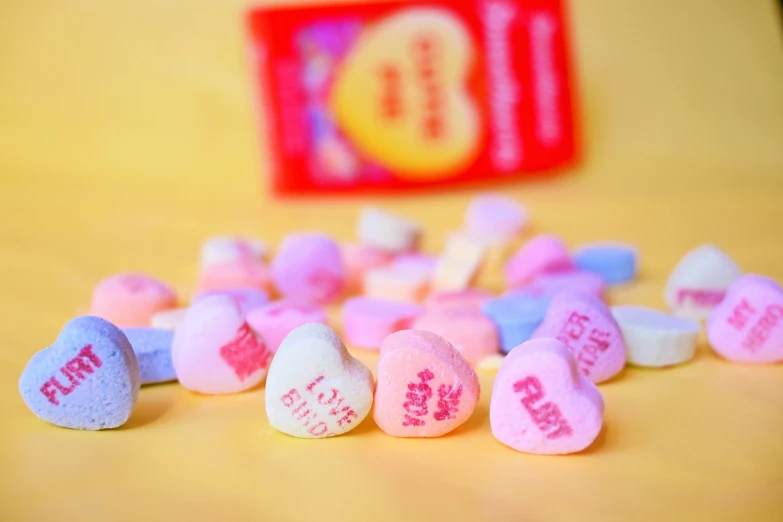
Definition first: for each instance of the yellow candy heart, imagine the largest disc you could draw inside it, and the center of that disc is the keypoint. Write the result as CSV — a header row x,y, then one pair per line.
x,y
400,95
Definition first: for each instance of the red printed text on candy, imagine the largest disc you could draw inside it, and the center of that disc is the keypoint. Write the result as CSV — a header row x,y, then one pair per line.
x,y
743,318
419,395
338,410
546,415
76,370
700,297
586,343
245,354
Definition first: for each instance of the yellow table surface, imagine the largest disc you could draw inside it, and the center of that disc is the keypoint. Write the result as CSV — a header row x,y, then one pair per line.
x,y
127,136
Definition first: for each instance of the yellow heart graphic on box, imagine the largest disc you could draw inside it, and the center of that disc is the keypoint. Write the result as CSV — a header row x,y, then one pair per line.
x,y
400,95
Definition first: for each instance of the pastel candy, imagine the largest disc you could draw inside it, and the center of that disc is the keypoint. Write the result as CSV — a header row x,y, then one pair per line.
x,y
516,317
152,347
699,281
131,299
247,298
215,351
387,231
274,321
458,264
315,388
468,298
543,253
241,272
218,249
615,262
496,216
491,362
747,326
541,403
359,259
473,334
581,281
397,282
585,325
309,268
168,319
87,380
417,261
367,322
425,387
654,338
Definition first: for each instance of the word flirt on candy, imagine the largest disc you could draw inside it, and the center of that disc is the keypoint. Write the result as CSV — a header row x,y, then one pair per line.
x,y
131,299
425,387
388,232
215,351
309,268
88,379
315,388
541,254
152,347
654,338
275,320
541,403
699,282
367,322
614,262
747,326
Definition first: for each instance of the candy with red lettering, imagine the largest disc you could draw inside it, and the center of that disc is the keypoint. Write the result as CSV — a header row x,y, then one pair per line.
x,y
747,326
585,325
247,298
152,347
541,254
614,262
426,388
275,320
516,316
219,249
315,388
472,333
130,299
168,319
654,338
309,268
215,351
87,380
541,403
241,272
699,282
551,283
360,259
496,217
367,322
399,281
468,298
387,231
458,264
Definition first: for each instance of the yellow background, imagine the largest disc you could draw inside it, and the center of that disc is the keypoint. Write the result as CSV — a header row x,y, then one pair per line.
x,y
127,135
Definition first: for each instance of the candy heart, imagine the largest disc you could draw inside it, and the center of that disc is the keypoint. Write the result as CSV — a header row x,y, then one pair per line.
x,y
275,320
656,339
309,268
87,380
541,402
551,283
247,298
359,259
367,322
218,249
747,326
541,254
425,387
497,216
315,388
387,232
152,347
242,272
468,298
397,282
516,316
699,281
458,264
400,94
131,299
215,351
614,262
473,334
586,326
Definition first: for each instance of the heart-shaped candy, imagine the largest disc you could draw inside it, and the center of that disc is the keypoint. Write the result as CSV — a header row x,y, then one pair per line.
x,y
614,262
585,325
541,254
516,316
472,333
747,326
426,388
215,351
315,388
275,320
367,322
359,259
497,216
551,283
407,282
152,347
240,272
309,268
541,402
87,380
469,298
401,96
699,281
131,299
656,339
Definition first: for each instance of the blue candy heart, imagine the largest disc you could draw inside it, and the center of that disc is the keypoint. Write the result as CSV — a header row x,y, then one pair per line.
x,y
153,350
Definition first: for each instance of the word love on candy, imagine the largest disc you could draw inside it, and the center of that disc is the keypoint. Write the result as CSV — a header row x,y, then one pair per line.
x,y
215,351
367,322
656,339
128,300
152,347
87,380
388,232
585,325
699,282
541,402
309,268
542,254
315,389
747,326
275,320
614,262
425,387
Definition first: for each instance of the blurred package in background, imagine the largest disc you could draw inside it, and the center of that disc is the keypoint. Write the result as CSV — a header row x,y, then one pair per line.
x,y
396,95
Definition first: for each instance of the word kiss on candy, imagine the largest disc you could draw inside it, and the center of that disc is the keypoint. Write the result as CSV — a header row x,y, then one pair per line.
x,y
315,388
87,380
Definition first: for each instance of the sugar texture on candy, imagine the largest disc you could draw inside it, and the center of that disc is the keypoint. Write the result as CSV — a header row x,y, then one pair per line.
x,y
654,338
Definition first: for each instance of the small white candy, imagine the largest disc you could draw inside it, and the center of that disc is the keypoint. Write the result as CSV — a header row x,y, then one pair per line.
x,y
219,249
699,281
654,338
458,263
168,319
389,232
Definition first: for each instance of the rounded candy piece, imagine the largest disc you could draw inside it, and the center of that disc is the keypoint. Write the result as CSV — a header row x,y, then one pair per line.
x,y
152,347
274,321
496,216
747,326
218,249
473,334
581,281
309,268
315,388
459,263
541,254
387,231
168,319
247,298
87,380
406,281
615,262
360,259
241,272
468,298
654,338
131,299
541,402
516,317
367,322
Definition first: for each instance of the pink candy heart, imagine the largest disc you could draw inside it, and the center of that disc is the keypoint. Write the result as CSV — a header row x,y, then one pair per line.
x,y
747,326
541,402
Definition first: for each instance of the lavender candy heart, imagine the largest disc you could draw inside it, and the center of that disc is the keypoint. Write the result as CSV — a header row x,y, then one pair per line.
x,y
87,380
152,347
